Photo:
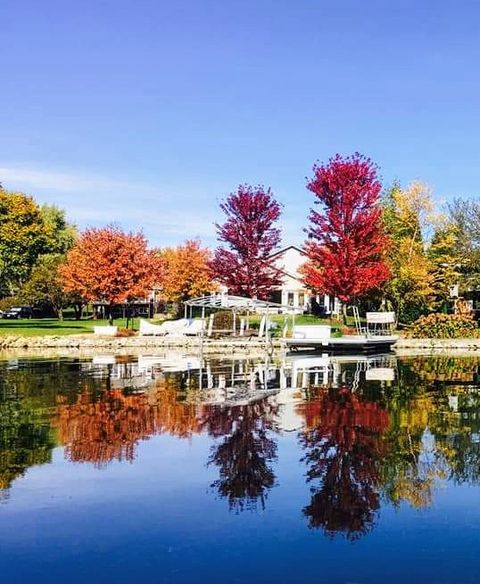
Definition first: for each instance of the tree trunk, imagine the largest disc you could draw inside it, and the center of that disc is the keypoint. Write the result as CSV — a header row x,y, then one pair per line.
x,y
110,314
78,309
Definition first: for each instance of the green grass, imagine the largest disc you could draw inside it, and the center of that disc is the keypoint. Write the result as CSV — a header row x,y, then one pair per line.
x,y
304,319
52,326
49,326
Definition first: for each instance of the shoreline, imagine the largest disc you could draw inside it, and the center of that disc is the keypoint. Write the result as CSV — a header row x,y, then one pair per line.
x,y
92,343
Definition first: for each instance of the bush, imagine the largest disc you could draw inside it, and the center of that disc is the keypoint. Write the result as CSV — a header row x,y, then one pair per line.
x,y
9,302
444,326
124,332
223,320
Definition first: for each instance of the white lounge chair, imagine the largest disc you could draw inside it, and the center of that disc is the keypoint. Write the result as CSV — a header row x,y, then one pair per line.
x,y
183,326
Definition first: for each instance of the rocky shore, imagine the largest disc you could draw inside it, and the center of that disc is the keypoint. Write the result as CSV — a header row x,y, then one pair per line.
x,y
471,344
93,343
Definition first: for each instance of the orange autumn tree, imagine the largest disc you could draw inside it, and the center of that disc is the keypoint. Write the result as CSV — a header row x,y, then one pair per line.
x,y
110,265
186,271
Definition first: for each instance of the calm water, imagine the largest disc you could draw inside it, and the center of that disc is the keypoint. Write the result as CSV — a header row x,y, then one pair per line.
x,y
181,469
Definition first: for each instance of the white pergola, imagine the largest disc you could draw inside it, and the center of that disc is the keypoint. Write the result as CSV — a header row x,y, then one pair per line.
x,y
239,304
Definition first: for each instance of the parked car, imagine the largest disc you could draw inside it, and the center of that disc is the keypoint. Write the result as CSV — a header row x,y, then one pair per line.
x,y
18,312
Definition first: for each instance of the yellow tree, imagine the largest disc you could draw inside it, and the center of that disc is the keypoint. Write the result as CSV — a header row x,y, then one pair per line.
x,y
22,238
186,271
409,220
446,262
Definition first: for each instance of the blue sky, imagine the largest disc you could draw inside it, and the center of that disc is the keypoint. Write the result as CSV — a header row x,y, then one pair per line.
x,y
147,113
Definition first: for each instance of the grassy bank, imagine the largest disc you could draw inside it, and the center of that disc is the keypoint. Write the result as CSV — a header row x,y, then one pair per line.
x,y
47,326
53,326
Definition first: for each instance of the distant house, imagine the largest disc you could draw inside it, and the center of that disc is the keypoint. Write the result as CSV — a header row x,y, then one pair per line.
x,y
292,290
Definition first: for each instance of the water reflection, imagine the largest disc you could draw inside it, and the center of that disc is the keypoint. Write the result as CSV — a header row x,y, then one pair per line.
x,y
245,452
102,427
343,440
370,432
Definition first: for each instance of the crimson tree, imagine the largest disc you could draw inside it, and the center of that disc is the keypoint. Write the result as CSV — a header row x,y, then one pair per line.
x,y
346,239
249,231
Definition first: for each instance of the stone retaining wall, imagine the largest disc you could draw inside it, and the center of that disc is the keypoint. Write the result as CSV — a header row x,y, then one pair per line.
x,y
92,343
89,342
438,344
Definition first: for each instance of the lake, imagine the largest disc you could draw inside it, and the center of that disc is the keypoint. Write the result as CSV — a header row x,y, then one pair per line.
x,y
306,468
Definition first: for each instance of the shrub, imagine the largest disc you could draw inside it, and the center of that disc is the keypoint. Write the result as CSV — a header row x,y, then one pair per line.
x,y
9,302
223,320
444,326
124,332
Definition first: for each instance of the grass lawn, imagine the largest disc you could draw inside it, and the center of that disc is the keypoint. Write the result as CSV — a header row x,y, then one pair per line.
x,y
305,319
49,326
53,326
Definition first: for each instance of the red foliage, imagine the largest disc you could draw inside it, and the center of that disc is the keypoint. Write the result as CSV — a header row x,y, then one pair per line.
x,y
110,265
346,240
344,445
245,269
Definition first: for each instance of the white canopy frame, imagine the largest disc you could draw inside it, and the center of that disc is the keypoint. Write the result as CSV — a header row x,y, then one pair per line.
x,y
241,304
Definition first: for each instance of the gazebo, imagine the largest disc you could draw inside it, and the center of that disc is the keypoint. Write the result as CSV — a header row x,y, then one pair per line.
x,y
240,305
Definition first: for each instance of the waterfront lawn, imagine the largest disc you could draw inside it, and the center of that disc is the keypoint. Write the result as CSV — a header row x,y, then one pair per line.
x,y
301,319
48,326
69,326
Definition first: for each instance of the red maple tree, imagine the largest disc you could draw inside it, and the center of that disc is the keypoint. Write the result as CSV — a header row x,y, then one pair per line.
x,y
111,266
251,236
346,239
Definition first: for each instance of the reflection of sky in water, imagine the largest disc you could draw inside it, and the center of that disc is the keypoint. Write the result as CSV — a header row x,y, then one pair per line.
x,y
189,470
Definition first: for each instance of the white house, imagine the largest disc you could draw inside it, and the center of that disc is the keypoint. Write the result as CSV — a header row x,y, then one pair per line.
x,y
292,291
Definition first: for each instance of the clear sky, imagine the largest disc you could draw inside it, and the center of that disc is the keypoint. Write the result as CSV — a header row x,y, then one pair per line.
x,y
147,112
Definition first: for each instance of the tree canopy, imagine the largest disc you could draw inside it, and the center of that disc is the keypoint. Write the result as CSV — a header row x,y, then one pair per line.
x,y
186,271
28,231
346,242
110,265
245,266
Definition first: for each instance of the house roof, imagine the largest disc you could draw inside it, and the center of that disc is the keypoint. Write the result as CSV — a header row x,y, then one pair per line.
x,y
284,249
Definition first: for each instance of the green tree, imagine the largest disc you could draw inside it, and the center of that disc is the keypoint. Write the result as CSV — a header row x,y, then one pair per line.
x,y
464,214
60,234
28,231
44,288
22,239
445,258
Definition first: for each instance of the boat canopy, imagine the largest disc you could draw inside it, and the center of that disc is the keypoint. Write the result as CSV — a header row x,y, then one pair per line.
x,y
240,303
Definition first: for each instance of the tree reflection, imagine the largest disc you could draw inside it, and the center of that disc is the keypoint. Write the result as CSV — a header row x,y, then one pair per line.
x,y
25,440
344,446
245,454
107,426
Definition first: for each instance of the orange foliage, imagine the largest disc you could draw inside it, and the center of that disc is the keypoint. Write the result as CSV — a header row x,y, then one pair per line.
x,y
186,271
103,428
110,265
